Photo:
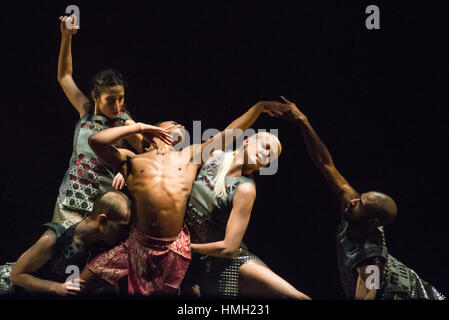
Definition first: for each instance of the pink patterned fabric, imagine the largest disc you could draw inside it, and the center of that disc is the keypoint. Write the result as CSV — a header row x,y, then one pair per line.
x,y
154,266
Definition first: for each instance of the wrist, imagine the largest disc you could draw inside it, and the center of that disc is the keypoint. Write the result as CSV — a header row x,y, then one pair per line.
x,y
300,119
66,37
52,288
139,128
259,106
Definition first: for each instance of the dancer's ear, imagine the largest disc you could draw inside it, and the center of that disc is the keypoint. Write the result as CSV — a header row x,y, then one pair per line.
x,y
102,221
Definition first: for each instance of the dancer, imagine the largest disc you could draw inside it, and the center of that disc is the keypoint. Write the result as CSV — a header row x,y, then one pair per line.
x,y
361,246
43,267
86,177
157,252
218,213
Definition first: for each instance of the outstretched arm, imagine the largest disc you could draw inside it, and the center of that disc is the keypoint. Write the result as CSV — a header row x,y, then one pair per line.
x,y
321,157
243,123
236,227
102,142
31,261
65,68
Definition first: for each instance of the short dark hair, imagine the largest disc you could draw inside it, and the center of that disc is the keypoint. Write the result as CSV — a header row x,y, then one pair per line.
x,y
114,204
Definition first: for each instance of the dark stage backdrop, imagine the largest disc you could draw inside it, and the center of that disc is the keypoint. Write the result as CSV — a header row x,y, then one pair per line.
x,y
377,98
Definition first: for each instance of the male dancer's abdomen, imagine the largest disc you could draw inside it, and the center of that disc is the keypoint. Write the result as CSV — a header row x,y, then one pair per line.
x,y
160,221
159,188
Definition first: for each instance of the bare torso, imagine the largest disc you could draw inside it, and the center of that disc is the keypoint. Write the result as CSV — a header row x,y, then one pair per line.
x,y
160,186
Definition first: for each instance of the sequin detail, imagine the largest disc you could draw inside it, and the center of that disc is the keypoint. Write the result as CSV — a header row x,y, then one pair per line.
x,y
206,218
6,287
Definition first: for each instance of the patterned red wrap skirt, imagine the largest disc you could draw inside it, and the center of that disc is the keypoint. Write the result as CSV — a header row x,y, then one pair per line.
x,y
154,266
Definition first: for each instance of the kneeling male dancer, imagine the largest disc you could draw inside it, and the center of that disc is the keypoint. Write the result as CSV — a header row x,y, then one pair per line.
x,y
157,253
42,268
361,245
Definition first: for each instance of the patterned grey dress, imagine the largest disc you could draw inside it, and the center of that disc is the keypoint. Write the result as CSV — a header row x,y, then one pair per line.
x,y
86,177
206,218
397,281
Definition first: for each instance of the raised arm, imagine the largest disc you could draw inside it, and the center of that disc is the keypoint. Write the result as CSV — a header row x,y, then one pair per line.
x,y
236,227
321,157
243,123
65,68
102,142
31,261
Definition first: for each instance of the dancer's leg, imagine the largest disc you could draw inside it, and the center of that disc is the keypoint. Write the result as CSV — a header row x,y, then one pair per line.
x,y
256,280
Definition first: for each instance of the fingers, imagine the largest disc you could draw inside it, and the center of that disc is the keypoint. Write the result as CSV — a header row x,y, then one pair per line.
x,y
161,133
119,181
71,20
271,114
73,291
75,19
164,135
285,99
122,184
115,182
172,126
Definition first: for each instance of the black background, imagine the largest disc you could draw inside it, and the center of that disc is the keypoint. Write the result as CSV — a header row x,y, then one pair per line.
x,y
377,98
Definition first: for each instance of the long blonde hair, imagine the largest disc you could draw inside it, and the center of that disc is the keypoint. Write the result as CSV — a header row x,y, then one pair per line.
x,y
228,158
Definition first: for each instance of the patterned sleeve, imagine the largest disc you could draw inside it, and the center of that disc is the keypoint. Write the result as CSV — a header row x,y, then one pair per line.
x,y
57,227
372,250
352,255
123,116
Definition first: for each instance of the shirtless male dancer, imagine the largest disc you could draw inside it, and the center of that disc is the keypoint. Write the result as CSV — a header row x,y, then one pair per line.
x,y
157,253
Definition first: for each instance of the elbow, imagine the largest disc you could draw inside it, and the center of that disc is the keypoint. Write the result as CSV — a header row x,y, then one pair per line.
x,y
229,252
93,141
62,77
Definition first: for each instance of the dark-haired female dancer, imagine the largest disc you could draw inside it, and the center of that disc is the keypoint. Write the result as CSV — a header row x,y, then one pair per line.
x,y
86,177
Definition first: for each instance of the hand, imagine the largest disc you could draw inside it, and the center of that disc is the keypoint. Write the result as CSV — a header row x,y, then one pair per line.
x,y
293,113
68,288
119,181
66,31
150,132
273,108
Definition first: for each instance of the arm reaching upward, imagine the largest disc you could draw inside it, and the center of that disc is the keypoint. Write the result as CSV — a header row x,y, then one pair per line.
x,y
321,157
65,68
243,123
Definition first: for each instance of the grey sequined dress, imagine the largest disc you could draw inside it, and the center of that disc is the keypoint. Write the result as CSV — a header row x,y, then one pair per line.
x,y
206,218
